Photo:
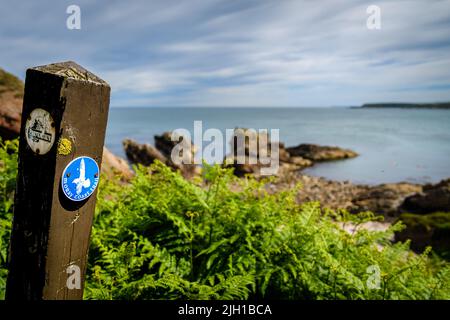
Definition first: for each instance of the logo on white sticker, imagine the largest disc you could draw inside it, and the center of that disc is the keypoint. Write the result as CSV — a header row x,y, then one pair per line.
x,y
40,131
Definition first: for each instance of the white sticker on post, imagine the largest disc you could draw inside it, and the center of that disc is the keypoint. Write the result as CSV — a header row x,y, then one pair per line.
x,y
40,131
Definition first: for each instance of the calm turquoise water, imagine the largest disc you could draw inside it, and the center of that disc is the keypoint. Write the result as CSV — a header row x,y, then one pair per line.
x,y
394,145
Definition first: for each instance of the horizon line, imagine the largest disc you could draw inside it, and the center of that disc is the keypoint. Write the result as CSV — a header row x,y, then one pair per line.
x,y
279,106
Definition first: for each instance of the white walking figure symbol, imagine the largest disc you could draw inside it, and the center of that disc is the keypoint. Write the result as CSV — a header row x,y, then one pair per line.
x,y
81,181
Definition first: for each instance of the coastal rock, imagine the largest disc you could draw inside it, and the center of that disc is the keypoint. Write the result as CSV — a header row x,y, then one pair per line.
x,y
433,198
292,161
427,230
299,161
426,215
242,169
330,194
11,94
250,163
146,154
10,115
245,157
165,145
384,199
113,166
318,153
284,156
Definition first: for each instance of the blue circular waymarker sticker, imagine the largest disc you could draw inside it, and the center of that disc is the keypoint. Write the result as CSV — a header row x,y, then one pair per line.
x,y
80,178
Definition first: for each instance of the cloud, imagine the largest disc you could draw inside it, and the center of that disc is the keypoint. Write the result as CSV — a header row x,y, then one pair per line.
x,y
245,53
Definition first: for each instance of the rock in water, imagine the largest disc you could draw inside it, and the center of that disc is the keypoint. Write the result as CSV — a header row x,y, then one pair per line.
x,y
165,145
250,162
144,154
433,198
318,153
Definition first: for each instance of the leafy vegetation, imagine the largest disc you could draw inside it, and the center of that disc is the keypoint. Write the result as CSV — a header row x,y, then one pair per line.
x,y
220,237
8,171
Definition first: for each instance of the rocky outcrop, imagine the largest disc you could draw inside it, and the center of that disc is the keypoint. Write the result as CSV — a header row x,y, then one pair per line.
x,y
251,162
318,153
146,154
165,145
433,198
289,162
384,199
114,166
331,194
427,230
11,94
244,159
10,115
427,218
422,229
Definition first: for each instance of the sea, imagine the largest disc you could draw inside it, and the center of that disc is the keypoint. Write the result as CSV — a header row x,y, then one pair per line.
x,y
394,145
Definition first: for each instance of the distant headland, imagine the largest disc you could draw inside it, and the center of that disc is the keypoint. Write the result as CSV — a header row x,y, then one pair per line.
x,y
442,105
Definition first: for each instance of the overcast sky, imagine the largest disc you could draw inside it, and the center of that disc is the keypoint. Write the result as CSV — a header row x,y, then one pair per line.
x,y
240,53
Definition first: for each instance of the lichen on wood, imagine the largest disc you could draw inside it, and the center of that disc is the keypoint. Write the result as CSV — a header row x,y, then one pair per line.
x,y
64,147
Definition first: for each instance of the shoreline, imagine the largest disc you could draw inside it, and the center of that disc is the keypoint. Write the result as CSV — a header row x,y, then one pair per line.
x,y
381,198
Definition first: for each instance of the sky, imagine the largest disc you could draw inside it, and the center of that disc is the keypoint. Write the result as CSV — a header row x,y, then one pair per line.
x,y
240,53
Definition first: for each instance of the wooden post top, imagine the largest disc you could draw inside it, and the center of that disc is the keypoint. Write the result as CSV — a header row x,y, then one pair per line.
x,y
70,70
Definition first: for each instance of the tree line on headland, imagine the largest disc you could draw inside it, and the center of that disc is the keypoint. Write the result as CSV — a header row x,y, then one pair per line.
x,y
441,105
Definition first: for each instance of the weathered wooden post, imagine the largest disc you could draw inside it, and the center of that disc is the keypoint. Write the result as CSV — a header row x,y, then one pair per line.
x,y
64,117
